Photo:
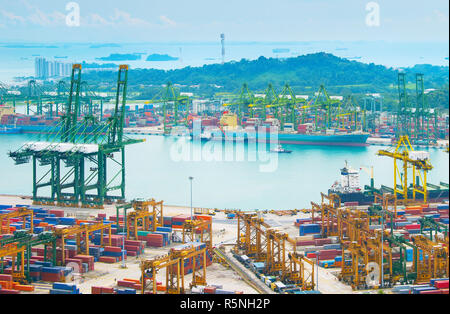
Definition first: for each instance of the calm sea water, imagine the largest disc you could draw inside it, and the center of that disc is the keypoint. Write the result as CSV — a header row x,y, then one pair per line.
x,y
15,61
154,171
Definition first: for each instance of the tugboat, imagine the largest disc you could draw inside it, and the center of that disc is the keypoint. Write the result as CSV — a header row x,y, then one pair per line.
x,y
280,150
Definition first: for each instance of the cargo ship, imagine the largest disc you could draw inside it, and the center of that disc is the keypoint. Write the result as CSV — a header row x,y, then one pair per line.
x,y
270,130
350,191
317,138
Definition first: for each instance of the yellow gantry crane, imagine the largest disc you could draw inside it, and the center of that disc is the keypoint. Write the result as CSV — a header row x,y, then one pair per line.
x,y
418,161
198,228
173,263
14,251
299,274
434,260
80,231
259,241
22,212
149,269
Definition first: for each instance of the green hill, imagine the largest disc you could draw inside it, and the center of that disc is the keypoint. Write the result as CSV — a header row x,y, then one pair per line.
x,y
304,73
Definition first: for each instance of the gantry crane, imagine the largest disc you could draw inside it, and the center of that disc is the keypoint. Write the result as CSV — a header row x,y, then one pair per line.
x,y
17,254
362,245
73,161
300,275
197,228
21,212
27,240
261,104
173,263
428,223
420,164
242,102
173,107
286,107
198,267
142,216
149,269
81,232
276,259
431,258
257,240
251,237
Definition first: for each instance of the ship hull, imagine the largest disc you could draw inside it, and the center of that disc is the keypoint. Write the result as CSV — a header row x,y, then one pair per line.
x,y
366,199
352,139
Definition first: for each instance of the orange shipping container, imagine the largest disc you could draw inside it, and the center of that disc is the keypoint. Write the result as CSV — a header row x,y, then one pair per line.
x,y
27,288
160,288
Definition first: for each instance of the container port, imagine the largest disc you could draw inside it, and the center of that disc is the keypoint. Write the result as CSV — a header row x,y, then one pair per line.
x,y
73,242
299,171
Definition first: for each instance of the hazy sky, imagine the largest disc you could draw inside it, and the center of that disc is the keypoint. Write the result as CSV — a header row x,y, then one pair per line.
x,y
240,20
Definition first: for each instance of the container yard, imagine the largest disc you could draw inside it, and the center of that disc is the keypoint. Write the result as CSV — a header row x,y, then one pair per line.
x,y
326,249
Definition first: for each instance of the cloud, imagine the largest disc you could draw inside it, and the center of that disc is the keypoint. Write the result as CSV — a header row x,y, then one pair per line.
x,y
122,17
36,16
441,17
167,21
12,18
97,19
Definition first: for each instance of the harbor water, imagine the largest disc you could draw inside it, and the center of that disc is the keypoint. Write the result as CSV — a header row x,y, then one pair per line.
x,y
156,169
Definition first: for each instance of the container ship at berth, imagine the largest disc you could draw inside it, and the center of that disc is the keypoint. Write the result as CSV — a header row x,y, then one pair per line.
x,y
349,189
335,139
304,135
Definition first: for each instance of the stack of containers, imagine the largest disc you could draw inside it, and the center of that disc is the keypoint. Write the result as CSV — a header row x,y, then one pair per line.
x,y
86,259
102,290
167,221
329,255
178,221
112,253
53,274
116,240
134,248
154,239
6,285
309,229
130,283
64,288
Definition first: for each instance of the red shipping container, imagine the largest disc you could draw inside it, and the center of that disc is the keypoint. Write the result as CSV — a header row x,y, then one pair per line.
x,y
441,284
107,290
430,292
9,291
209,290
113,249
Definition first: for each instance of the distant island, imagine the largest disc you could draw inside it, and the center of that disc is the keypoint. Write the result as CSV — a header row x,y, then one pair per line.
x,y
158,57
104,45
28,46
86,65
121,57
281,50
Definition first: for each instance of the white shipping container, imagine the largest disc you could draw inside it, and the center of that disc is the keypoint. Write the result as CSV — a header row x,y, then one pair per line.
x,y
419,155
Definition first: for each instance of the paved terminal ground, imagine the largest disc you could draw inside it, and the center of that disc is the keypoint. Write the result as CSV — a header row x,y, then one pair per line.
x,y
224,232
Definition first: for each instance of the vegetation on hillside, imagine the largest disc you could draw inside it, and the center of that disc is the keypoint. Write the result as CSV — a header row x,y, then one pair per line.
x,y
304,74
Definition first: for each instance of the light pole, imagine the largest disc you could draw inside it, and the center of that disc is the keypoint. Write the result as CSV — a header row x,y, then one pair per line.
x,y
191,179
